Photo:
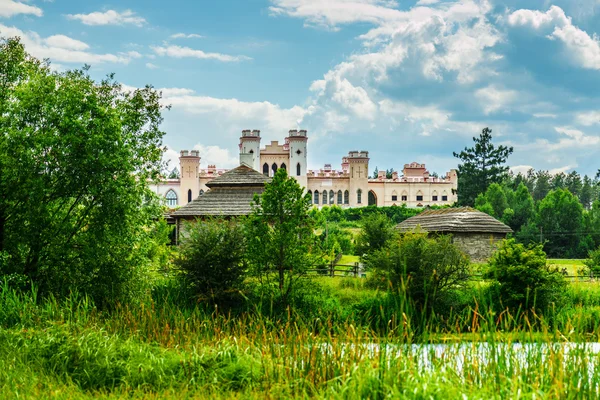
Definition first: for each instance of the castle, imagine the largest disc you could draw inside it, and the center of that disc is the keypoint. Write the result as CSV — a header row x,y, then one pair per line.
x,y
348,187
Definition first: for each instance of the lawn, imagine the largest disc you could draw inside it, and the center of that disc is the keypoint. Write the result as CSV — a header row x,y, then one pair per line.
x,y
572,265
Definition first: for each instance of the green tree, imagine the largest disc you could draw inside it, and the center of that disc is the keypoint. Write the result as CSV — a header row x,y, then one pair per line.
x,y
542,185
587,193
480,166
211,258
521,278
375,173
560,218
76,158
174,174
375,233
424,268
573,183
281,241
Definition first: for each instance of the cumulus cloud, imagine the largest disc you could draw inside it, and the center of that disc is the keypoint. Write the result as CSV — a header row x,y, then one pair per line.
x,y
184,52
110,17
9,8
63,49
581,47
151,66
494,99
588,118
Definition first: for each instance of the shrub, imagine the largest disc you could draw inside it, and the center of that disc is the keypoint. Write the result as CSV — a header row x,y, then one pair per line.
x,y
375,234
427,269
592,263
522,278
211,258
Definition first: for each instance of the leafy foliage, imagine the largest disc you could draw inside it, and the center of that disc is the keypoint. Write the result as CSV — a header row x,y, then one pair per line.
x,y
75,159
522,279
211,258
375,234
425,268
480,166
281,238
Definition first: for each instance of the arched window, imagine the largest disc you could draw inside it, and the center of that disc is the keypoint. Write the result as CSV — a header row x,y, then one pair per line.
x,y
331,197
346,197
189,195
419,196
310,194
405,196
201,192
298,169
283,166
445,196
273,169
359,196
251,151
340,197
316,197
434,196
171,197
372,198
266,169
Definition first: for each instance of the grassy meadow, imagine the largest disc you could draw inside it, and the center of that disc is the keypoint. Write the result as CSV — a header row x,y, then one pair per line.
x,y
351,341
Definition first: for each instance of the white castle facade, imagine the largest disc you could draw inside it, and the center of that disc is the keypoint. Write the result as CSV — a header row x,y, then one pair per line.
x,y
348,187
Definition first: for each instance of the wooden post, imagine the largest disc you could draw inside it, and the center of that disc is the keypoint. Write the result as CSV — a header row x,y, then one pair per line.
x,y
331,270
356,270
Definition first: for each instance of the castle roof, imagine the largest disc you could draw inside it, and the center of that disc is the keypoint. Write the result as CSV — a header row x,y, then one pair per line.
x,y
231,194
449,220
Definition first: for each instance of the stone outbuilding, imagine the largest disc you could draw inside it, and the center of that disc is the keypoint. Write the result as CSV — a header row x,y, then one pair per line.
x,y
474,232
229,195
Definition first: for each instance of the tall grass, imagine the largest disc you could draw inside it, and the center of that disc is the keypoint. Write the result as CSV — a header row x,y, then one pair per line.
x,y
375,348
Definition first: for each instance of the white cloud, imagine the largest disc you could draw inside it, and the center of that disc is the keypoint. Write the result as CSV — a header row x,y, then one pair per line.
x,y
521,169
110,17
215,155
582,48
588,118
182,52
62,49
427,2
331,13
494,99
9,8
575,138
151,66
545,115
355,99
186,36
65,42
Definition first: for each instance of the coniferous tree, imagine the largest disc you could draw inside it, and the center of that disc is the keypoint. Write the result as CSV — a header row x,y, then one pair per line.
x,y
587,192
542,185
482,165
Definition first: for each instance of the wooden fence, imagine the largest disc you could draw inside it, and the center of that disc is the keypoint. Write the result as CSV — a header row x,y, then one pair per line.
x,y
333,269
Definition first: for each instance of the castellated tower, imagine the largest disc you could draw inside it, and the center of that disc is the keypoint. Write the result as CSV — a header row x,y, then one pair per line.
x,y
250,144
358,164
189,162
297,141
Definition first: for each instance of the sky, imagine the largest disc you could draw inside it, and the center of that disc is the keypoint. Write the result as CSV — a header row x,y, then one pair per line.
x,y
406,80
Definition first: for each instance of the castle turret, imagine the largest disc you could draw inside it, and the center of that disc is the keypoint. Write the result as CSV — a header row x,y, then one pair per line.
x,y
250,144
298,155
189,162
359,178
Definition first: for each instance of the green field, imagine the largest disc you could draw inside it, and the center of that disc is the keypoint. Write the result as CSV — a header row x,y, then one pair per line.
x,y
572,266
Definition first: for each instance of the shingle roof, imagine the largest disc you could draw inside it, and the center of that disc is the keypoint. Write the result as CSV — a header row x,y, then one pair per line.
x,y
231,194
463,219
240,176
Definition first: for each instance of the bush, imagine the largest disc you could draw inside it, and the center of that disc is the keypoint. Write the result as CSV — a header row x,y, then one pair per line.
x,y
592,263
522,278
426,269
375,234
211,258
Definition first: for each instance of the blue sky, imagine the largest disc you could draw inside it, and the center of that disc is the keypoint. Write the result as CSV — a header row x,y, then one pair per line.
x,y
410,80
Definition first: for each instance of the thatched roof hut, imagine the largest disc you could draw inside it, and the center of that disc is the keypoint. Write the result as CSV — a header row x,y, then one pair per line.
x,y
230,195
475,232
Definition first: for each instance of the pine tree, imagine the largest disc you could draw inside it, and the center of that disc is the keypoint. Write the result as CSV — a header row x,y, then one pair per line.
x,y
481,166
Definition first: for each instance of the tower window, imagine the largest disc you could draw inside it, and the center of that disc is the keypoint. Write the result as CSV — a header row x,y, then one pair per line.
x,y
316,197
359,196
266,169
419,197
311,196
171,197
274,168
189,195
298,152
340,197
346,197
298,169
283,166
331,197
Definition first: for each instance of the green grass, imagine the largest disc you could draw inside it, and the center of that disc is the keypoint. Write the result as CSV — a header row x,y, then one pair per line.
x,y
572,265
348,260
161,349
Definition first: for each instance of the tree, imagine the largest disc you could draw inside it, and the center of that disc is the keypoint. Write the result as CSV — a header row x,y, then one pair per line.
x,y
281,241
542,185
521,278
211,258
375,233
174,174
481,166
560,218
389,173
424,268
76,158
376,173
587,193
